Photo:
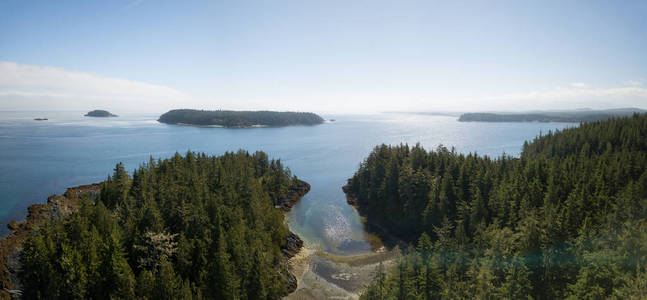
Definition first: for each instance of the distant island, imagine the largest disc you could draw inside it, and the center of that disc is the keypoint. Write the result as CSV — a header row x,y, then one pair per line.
x,y
574,116
100,113
229,118
40,119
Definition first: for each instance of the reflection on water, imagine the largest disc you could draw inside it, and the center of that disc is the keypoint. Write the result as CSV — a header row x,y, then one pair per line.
x,y
336,226
39,158
350,245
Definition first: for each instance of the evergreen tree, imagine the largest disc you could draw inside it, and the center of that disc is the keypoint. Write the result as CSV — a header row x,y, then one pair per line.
x,y
564,220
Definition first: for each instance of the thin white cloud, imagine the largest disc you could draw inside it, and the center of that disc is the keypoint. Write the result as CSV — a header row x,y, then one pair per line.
x,y
578,85
30,87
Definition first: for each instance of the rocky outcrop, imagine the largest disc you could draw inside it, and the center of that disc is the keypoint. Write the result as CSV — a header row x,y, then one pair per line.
x,y
350,199
293,196
57,206
292,246
293,242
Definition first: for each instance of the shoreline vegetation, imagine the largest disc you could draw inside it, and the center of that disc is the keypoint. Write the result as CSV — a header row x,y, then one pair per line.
x,y
238,119
564,220
555,116
246,196
381,237
56,207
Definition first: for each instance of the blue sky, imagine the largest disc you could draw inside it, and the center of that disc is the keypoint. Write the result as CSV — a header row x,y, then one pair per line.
x,y
323,55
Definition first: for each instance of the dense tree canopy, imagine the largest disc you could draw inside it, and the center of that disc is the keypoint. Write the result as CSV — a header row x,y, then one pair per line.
x,y
565,220
100,113
186,227
229,118
564,116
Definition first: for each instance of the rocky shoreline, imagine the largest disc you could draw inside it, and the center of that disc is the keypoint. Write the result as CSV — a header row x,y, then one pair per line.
x,y
294,243
59,206
322,275
293,196
217,126
350,199
387,238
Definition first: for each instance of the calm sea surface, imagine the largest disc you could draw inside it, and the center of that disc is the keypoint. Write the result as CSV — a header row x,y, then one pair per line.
x,y
40,158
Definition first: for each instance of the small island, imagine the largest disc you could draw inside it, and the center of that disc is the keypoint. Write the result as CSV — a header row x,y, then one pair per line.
x,y
40,119
574,116
100,113
238,119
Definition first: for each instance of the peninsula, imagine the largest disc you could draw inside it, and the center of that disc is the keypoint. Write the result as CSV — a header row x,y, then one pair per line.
x,y
568,214
573,116
100,113
229,118
181,227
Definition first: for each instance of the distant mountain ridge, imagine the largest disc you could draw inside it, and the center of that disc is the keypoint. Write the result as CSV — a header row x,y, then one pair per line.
x,y
574,116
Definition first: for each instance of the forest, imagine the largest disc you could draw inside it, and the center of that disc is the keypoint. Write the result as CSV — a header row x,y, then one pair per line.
x,y
228,118
565,220
100,113
187,227
574,116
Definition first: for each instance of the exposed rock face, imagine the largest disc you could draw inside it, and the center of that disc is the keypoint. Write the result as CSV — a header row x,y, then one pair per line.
x,y
38,214
292,246
293,243
350,199
293,196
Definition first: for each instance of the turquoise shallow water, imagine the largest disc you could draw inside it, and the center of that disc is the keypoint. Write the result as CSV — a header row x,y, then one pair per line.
x,y
40,158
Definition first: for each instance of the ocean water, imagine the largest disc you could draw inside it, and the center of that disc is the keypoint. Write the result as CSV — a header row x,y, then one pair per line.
x,y
41,158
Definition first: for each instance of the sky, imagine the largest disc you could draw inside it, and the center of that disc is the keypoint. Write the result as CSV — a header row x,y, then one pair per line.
x,y
322,56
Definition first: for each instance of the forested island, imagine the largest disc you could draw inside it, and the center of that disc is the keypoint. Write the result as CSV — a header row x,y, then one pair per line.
x,y
557,116
565,220
100,113
187,227
229,118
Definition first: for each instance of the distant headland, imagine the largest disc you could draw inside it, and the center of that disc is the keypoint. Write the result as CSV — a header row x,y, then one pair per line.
x,y
571,116
100,113
238,119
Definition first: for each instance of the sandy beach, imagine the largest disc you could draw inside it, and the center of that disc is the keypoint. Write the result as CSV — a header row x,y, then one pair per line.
x,y
321,275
